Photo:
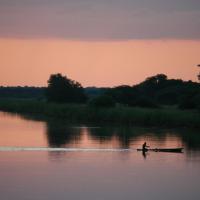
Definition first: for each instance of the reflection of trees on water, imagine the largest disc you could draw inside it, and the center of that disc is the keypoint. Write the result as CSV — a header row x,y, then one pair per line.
x,y
125,136
191,138
102,135
60,133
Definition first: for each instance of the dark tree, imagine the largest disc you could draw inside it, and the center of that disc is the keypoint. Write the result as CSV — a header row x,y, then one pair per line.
x,y
123,94
157,90
159,78
63,90
102,101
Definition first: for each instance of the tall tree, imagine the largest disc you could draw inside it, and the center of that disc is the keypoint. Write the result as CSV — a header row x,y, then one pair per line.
x,y
64,90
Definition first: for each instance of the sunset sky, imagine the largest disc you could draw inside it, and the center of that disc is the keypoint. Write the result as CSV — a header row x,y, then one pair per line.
x,y
98,42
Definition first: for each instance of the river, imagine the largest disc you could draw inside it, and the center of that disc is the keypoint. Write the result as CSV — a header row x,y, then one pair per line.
x,y
99,162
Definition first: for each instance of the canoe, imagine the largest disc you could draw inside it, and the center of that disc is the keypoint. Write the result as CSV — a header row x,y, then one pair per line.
x,y
175,150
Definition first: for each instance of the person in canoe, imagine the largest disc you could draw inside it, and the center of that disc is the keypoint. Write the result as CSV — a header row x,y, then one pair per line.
x,y
144,147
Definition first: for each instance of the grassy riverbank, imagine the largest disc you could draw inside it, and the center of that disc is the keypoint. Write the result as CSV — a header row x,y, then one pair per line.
x,y
170,117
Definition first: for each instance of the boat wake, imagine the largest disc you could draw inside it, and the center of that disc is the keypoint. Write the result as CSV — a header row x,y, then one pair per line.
x,y
3,149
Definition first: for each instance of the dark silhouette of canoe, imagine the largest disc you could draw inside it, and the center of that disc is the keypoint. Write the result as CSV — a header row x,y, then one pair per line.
x,y
172,150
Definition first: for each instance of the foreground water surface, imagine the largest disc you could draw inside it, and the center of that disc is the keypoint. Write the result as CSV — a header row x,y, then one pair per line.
x,y
90,173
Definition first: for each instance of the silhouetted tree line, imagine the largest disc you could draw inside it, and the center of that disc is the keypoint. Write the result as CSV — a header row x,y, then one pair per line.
x,y
158,90
93,92
22,92
153,92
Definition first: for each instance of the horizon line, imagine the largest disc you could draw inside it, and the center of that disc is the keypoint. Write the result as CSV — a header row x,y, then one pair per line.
x,y
93,86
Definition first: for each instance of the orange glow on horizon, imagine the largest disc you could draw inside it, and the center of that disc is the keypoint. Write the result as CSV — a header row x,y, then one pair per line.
x,y
103,63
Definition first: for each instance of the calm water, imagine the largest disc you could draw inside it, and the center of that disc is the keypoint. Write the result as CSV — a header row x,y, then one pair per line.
x,y
94,174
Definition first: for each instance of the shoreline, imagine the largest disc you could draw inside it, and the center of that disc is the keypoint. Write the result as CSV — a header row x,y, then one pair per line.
x,y
161,117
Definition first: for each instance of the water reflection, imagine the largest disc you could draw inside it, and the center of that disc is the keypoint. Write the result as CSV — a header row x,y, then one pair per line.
x,y
60,133
96,175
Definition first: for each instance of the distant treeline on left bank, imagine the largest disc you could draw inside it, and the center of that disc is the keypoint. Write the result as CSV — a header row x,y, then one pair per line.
x,y
27,92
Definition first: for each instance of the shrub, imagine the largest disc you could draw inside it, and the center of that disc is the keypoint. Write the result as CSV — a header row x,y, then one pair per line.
x,y
102,101
145,103
190,102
